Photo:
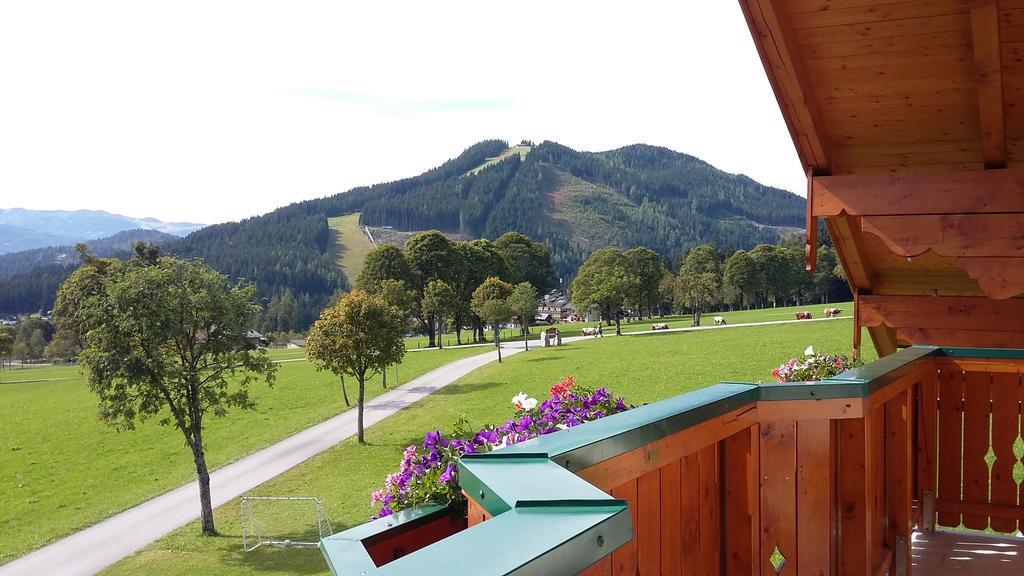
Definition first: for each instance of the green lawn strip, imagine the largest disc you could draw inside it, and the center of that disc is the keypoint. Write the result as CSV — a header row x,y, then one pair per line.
x,y
350,245
676,321
643,369
61,469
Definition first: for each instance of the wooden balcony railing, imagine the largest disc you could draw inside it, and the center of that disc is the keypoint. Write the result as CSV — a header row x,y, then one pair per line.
x,y
810,478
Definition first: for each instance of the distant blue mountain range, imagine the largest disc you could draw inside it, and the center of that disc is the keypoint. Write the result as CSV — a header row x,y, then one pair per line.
x,y
22,229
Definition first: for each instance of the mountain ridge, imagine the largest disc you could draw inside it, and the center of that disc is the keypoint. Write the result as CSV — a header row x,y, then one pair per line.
x,y
45,228
636,195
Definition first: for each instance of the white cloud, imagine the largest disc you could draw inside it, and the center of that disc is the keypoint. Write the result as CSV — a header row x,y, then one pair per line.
x,y
209,111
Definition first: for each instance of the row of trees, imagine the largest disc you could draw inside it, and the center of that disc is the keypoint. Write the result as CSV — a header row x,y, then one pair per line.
x,y
705,279
433,278
35,339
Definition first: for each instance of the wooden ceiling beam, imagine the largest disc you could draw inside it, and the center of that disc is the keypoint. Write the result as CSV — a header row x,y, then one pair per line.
x,y
989,73
920,193
779,51
942,313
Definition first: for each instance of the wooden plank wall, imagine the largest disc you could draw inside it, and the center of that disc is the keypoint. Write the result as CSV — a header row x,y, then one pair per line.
x,y
969,422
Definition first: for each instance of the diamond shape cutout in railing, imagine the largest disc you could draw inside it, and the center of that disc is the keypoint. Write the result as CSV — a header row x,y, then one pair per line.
x,y
777,559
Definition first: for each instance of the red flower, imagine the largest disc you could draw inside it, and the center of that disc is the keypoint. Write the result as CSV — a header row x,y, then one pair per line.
x,y
563,387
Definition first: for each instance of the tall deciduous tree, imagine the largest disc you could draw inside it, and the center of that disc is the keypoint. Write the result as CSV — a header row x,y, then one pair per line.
x,y
360,336
604,283
523,303
741,274
439,300
6,345
165,336
527,260
645,266
699,282
431,256
481,260
386,262
490,302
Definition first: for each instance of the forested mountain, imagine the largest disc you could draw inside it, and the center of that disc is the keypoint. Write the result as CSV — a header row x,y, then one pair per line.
x,y
573,201
21,262
22,229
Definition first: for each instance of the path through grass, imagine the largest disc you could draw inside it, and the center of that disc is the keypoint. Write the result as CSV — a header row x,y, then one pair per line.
x,y
61,469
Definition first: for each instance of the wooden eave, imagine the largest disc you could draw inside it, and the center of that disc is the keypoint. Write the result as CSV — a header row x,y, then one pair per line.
x,y
908,118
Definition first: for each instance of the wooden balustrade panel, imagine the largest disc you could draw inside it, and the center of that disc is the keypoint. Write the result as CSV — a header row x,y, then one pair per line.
x,y
1007,392
815,482
624,559
854,547
927,440
648,526
979,420
778,446
741,503
876,481
950,454
977,407
899,473
689,504
710,512
671,544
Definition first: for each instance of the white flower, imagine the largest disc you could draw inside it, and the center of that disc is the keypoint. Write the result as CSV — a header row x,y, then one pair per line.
x,y
529,404
518,399
809,351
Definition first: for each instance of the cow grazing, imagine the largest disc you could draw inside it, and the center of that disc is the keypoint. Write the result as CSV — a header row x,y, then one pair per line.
x,y
719,321
832,312
660,326
803,315
590,331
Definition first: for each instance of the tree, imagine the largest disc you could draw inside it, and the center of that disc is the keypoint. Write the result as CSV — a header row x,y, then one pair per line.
x,y
644,265
604,283
490,302
527,261
666,293
699,282
165,336
6,345
431,256
360,336
439,300
64,346
775,267
742,275
523,303
481,260
386,262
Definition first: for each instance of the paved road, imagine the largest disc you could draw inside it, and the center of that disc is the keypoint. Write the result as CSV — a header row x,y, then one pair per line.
x,y
93,549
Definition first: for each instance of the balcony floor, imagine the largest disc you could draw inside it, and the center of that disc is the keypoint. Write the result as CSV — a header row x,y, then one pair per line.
x,y
947,552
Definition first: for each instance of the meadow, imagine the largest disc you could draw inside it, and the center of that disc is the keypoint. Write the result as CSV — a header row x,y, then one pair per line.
x,y
350,244
643,369
61,469
674,321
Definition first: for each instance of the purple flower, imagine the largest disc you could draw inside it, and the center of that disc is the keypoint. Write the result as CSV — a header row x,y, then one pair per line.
x,y
446,476
485,436
385,511
432,439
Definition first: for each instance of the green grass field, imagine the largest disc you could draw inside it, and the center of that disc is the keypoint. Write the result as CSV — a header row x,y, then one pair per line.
x,y
521,150
61,469
644,369
684,321
350,244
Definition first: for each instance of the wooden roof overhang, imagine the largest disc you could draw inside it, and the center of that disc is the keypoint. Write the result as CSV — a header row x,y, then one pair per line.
x,y
908,117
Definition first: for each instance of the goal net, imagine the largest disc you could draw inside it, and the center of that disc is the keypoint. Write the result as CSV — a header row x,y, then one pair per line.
x,y
286,522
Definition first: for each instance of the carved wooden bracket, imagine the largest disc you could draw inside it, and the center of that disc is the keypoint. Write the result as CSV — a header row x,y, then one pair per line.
x,y
973,235
998,278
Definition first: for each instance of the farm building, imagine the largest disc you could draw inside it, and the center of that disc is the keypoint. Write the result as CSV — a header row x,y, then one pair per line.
x,y
908,118
556,305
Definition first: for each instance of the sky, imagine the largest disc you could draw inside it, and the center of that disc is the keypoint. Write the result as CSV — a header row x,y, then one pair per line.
x,y
214,111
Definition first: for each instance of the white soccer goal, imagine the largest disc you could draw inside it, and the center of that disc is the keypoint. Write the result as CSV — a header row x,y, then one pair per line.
x,y
286,522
